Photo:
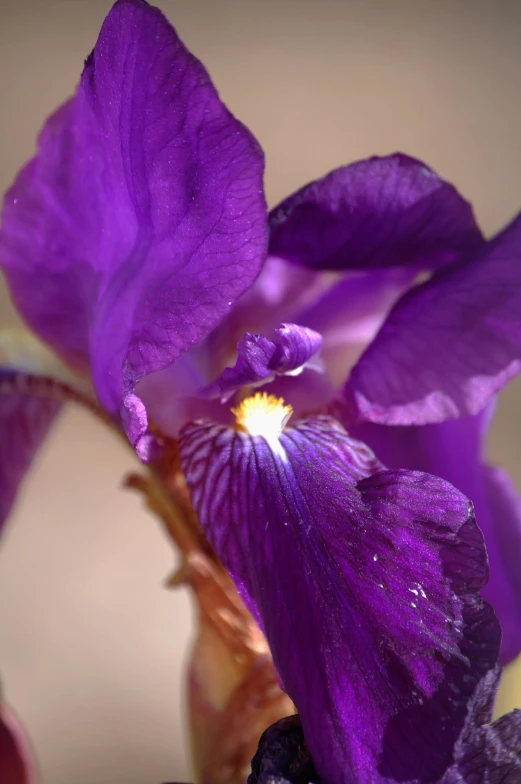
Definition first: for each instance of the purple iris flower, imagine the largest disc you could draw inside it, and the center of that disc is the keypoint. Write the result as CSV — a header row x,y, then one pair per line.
x,y
136,244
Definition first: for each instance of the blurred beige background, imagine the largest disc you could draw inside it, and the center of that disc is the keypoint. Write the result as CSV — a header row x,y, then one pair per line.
x,y
91,645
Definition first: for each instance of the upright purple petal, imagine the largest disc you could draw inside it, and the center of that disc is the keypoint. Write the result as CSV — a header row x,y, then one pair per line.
x,y
454,450
261,359
366,583
381,212
502,528
142,216
448,345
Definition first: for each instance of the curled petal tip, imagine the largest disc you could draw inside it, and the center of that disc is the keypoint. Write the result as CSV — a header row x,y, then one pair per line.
x,y
260,359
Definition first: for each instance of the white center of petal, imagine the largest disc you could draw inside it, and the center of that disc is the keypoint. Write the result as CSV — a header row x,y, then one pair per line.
x,y
262,415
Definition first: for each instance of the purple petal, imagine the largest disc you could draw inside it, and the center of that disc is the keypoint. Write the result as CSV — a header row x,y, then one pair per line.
x,y
447,346
381,212
16,765
502,531
366,584
142,216
487,752
260,359
453,450
24,423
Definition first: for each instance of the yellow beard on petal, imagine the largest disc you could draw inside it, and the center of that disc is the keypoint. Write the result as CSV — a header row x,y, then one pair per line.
x,y
262,415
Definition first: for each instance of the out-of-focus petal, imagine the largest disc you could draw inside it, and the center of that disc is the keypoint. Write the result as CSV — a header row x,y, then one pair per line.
x,y
453,450
24,422
142,216
381,212
502,528
448,345
487,752
260,359
366,583
33,382
16,762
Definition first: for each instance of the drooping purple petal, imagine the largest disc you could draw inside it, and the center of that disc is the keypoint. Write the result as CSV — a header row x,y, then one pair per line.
x,y
33,384
16,764
24,422
381,212
487,752
448,345
260,359
142,216
366,584
454,450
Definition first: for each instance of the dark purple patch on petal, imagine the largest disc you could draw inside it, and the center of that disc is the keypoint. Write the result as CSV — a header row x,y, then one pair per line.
x,y
142,216
366,583
448,345
487,752
261,359
380,212
24,423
